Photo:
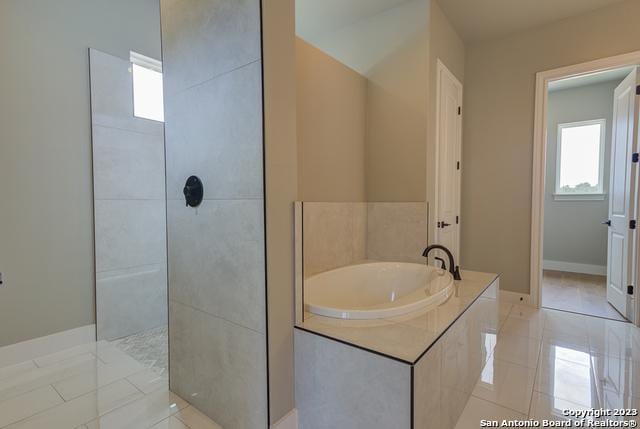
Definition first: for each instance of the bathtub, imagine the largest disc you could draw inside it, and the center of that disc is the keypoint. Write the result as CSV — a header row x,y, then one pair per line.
x,y
376,290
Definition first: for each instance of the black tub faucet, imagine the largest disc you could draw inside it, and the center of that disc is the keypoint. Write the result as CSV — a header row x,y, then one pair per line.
x,y
453,268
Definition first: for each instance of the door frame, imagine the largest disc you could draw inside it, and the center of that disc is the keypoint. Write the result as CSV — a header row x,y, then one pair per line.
x,y
441,69
539,163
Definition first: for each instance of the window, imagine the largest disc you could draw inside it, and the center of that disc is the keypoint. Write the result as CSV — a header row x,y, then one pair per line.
x,y
147,87
580,163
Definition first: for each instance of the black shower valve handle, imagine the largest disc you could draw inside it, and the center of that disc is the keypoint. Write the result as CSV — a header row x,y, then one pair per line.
x,y
193,191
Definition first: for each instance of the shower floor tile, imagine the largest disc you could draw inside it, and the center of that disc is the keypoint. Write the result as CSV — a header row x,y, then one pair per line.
x,y
149,347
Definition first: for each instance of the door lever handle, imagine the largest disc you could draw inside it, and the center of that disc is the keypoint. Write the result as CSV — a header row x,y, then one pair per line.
x,y
444,224
607,222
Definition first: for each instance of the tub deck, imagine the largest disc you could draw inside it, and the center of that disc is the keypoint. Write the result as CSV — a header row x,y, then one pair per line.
x,y
406,338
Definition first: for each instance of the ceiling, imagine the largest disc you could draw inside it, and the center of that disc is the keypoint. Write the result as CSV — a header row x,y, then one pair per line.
x,y
361,33
317,17
590,79
479,20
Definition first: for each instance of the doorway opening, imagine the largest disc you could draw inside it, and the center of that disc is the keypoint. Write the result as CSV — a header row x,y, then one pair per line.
x,y
584,245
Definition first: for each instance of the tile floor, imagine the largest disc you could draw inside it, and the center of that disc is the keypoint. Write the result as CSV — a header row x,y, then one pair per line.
x,y
92,386
545,361
579,293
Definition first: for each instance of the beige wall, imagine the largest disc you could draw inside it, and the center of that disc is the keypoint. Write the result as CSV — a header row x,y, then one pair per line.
x,y
447,46
46,244
396,138
281,191
498,130
331,101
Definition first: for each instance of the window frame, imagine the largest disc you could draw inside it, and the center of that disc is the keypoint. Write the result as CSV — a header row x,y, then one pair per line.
x,y
600,194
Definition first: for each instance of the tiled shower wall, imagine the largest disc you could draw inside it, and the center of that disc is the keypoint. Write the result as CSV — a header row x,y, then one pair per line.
x,y
129,205
340,234
213,102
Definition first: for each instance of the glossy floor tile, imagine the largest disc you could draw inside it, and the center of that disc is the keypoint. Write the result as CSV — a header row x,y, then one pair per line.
x,y
579,293
546,361
95,385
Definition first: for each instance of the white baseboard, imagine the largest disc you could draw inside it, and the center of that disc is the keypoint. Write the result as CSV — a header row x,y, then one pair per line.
x,y
289,421
31,349
572,267
516,298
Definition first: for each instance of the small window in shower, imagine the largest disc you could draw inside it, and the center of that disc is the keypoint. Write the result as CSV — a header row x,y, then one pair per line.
x,y
147,87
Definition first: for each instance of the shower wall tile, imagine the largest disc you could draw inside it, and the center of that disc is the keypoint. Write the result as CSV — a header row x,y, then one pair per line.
x,y
216,259
129,201
127,165
203,39
112,95
396,231
131,301
339,386
129,233
219,366
334,235
214,131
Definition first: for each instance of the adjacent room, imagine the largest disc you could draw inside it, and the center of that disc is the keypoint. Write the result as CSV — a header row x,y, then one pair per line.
x,y
580,127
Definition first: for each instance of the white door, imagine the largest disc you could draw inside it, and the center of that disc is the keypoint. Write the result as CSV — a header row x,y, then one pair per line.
x,y
622,195
448,167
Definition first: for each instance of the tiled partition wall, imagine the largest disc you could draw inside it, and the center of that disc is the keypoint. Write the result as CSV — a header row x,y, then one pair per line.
x,y
129,201
342,386
217,315
339,234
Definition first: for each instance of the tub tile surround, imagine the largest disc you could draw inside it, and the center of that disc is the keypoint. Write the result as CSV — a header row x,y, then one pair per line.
x,y
213,111
396,231
366,390
334,235
503,361
340,234
434,358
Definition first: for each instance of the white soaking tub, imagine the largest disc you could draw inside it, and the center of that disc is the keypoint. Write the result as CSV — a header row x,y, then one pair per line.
x,y
376,290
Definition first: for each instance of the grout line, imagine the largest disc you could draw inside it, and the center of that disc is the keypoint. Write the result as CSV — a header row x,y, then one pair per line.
x,y
134,386
177,416
215,316
181,200
59,394
212,78
535,378
97,124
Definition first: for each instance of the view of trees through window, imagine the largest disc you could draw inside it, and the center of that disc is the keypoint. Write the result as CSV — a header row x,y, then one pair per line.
x,y
580,151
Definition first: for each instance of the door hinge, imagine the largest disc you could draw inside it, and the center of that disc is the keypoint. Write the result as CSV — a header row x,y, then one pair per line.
x,y
635,157
638,90
459,110
457,220
630,289
632,224
458,165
